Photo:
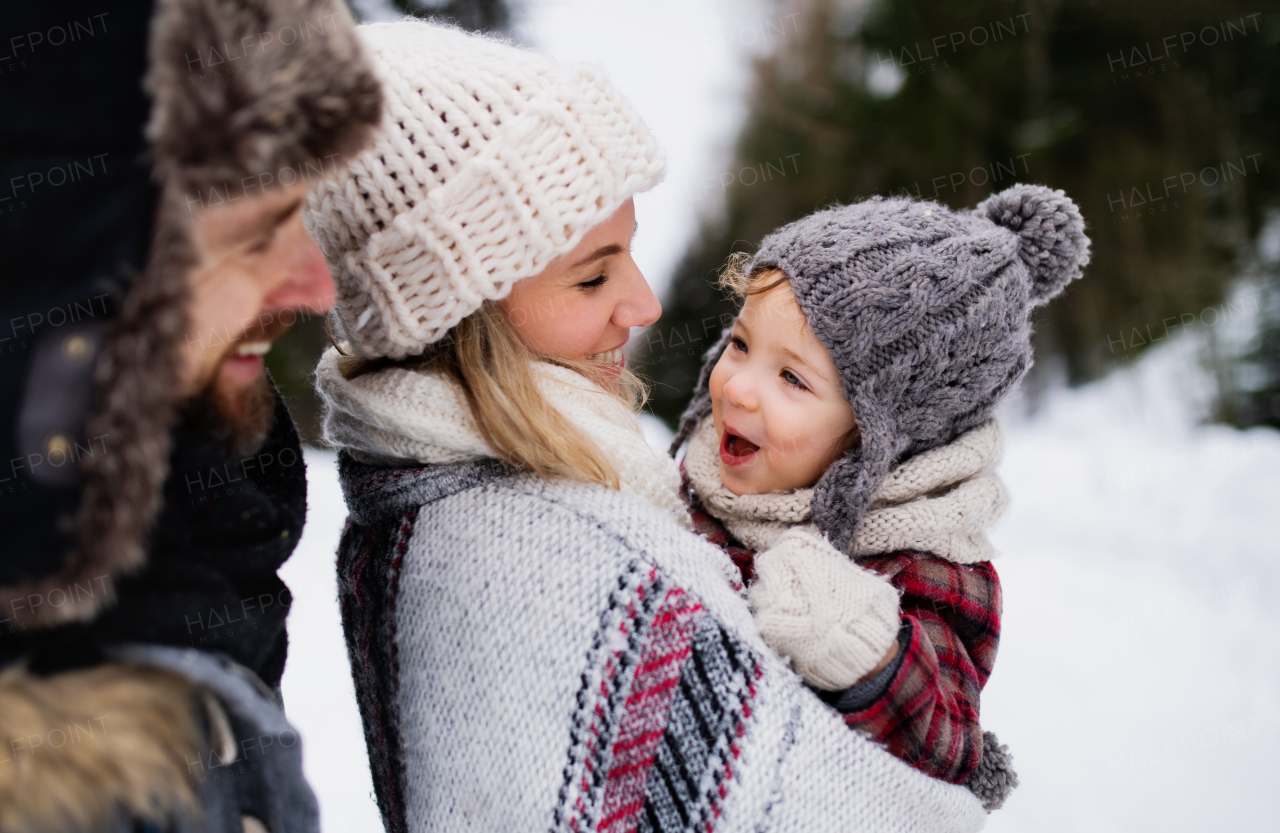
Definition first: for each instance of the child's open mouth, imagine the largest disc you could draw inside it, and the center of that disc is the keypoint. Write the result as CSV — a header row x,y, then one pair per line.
x,y
736,450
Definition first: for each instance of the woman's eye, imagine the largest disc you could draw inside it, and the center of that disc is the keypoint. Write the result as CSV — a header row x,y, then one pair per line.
x,y
594,283
792,379
260,245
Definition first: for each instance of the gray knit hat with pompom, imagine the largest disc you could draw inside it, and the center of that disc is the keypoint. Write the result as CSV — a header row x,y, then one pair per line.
x,y
926,314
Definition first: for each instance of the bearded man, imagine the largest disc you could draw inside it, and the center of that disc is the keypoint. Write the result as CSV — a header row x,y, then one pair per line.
x,y
155,159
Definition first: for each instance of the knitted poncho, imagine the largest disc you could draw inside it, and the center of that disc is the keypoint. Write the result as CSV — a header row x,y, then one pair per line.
x,y
534,655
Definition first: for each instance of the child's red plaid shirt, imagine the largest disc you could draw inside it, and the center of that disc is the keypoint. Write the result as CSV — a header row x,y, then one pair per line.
x,y
927,712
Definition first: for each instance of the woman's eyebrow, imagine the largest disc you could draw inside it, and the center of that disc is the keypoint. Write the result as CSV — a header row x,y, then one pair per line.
x,y
603,251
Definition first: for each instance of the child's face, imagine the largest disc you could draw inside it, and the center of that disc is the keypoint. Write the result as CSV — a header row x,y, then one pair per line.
x,y
776,400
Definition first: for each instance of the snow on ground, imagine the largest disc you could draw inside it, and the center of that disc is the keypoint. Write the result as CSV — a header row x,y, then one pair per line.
x,y
1139,672
1138,681
319,695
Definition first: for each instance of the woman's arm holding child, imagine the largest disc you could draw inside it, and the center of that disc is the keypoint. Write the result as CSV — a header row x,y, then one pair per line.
x,y
908,672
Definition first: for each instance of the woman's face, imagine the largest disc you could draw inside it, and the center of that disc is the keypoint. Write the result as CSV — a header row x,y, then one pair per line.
x,y
584,304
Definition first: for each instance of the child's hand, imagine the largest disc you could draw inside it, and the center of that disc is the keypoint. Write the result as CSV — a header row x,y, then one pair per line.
x,y
836,621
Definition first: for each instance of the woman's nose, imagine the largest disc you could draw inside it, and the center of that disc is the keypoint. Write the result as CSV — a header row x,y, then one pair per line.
x,y
638,307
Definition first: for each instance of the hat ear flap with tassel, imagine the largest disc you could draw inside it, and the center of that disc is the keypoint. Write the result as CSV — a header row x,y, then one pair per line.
x,y
921,361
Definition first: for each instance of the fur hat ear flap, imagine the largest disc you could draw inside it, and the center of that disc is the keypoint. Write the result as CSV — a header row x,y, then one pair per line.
x,y
1050,229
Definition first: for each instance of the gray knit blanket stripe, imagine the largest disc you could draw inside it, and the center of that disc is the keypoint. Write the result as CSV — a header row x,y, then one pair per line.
x,y
375,494
672,702
368,566
532,654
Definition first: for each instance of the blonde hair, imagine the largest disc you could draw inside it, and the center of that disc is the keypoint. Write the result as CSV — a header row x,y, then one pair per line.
x,y
495,370
734,278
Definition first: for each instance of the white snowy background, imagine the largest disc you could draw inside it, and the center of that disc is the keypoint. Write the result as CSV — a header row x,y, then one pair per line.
x,y
1138,681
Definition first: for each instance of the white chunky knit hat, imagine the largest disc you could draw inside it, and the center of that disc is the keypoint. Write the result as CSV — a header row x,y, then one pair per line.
x,y
491,161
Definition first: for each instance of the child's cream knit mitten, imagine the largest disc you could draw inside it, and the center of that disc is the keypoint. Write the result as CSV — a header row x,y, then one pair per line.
x,y
835,620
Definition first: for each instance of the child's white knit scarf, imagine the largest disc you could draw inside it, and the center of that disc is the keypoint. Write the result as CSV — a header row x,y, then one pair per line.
x,y
397,416
940,502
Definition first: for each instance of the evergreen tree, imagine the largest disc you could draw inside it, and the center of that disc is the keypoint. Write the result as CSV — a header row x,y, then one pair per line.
x,y
1159,119
476,15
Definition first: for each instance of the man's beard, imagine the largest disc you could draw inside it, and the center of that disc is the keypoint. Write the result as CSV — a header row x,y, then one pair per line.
x,y
237,422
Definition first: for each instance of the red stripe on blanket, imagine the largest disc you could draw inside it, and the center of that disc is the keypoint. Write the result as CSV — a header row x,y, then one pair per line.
x,y
667,646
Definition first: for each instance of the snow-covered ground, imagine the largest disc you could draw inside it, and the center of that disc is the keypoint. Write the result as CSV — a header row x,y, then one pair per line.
x,y
1138,683
319,694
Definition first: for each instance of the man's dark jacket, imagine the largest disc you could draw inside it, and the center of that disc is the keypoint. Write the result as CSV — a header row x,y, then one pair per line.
x,y
138,563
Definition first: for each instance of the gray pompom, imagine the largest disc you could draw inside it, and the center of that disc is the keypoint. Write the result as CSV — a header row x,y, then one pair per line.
x,y
1052,242
994,778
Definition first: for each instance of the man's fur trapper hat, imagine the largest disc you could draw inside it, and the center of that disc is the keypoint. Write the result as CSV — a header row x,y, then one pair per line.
x,y
256,89
244,95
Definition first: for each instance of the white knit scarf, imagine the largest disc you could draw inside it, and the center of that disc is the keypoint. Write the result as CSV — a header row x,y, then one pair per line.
x,y
397,416
940,502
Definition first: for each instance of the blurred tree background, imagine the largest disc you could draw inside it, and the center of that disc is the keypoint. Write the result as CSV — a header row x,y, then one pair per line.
x,y
476,15
1159,118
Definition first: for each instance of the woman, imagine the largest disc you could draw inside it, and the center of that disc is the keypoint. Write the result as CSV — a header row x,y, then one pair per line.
x,y
537,639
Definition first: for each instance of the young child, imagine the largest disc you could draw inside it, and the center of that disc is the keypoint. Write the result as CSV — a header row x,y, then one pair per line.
x,y
842,451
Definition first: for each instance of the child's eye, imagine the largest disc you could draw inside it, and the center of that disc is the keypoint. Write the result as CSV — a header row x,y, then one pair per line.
x,y
738,344
792,379
594,283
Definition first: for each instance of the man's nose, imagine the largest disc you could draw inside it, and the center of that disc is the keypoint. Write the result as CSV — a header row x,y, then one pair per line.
x,y
306,282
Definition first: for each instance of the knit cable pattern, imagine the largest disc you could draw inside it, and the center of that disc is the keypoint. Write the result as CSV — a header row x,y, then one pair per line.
x,y
926,314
